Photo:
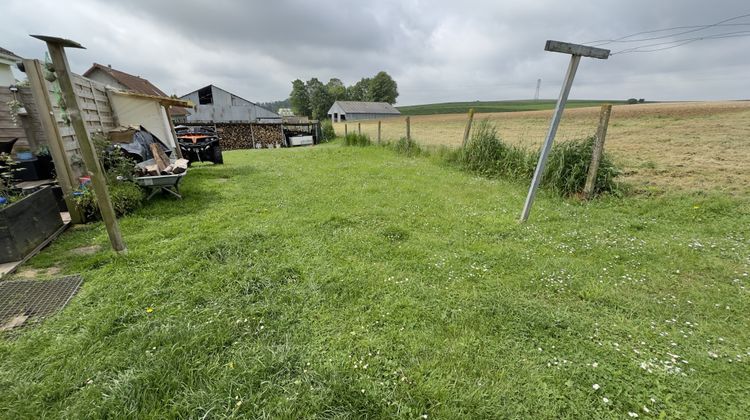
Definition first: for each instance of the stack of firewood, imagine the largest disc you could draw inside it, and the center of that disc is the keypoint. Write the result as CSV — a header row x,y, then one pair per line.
x,y
160,164
249,136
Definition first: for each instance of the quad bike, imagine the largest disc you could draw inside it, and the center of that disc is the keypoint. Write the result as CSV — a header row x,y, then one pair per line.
x,y
199,144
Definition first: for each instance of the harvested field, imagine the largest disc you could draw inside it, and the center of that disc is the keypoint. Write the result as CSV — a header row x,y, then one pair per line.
x,y
696,146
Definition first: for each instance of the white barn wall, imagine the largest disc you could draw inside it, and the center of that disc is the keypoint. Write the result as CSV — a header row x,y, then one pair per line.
x,y
146,112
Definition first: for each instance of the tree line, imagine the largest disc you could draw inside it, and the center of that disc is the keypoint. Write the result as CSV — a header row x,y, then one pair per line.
x,y
314,98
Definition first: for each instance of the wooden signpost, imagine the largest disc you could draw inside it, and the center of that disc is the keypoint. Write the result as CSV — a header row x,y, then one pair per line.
x,y
576,51
56,47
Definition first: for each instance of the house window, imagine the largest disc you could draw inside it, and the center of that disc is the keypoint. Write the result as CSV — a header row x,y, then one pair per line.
x,y
343,117
205,96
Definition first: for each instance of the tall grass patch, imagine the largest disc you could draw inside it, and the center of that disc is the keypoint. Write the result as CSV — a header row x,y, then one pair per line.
x,y
407,147
565,173
356,139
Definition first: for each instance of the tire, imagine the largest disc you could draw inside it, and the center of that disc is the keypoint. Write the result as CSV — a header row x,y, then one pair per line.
x,y
216,154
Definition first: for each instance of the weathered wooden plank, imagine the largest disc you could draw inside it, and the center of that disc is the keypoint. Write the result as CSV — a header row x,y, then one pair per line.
x,y
576,49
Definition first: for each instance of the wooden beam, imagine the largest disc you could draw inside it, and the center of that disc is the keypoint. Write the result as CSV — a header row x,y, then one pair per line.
x,y
467,129
576,49
65,175
88,151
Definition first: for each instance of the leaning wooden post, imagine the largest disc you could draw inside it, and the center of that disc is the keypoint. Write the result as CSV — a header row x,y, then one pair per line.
x,y
408,128
467,130
65,175
596,157
379,131
56,47
576,52
177,149
359,128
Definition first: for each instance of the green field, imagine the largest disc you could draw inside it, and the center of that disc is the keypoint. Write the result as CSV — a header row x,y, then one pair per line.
x,y
495,106
334,282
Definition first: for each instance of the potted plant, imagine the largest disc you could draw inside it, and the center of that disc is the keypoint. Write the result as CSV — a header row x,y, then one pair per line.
x,y
25,221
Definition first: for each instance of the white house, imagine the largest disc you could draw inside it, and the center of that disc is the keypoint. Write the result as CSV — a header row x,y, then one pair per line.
x,y
213,104
7,61
353,111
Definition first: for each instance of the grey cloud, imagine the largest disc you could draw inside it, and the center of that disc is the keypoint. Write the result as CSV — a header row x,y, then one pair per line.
x,y
436,50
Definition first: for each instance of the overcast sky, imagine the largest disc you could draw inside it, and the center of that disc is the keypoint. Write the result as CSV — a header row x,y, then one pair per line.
x,y
437,51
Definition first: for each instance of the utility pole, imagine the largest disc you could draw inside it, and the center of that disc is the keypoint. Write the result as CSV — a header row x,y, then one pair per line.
x,y
538,86
56,47
576,51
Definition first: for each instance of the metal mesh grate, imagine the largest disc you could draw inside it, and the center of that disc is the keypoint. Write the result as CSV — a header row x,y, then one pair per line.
x,y
35,298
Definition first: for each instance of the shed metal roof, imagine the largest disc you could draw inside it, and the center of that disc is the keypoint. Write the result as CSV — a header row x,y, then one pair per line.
x,y
354,107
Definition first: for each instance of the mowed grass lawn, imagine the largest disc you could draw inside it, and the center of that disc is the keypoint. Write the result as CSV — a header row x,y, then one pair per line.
x,y
334,282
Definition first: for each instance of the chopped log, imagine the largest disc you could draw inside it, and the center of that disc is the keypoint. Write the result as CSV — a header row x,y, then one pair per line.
x,y
179,166
161,159
152,170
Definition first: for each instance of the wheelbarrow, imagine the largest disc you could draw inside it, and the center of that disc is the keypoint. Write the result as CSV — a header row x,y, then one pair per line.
x,y
161,183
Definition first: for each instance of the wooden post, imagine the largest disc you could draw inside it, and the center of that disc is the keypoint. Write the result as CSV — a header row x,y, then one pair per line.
x,y
576,51
408,128
467,130
65,175
56,47
601,135
346,132
177,149
359,128
379,131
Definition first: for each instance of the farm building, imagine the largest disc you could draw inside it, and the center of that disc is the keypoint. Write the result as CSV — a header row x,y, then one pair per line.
x,y
127,82
352,111
214,104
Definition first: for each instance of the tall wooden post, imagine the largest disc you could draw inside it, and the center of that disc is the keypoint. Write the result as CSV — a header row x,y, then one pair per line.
x,y
576,52
596,157
359,128
408,128
65,175
346,131
467,130
177,149
379,131
56,47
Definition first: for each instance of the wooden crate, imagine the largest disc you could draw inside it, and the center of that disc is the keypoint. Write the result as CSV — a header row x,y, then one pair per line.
x,y
27,223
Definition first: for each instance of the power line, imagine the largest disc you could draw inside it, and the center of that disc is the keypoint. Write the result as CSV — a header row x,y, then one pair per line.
x,y
680,42
691,29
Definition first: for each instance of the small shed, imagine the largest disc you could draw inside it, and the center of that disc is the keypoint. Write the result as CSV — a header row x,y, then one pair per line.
x,y
354,110
216,105
149,111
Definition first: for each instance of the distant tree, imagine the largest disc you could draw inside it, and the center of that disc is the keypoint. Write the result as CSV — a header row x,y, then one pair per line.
x,y
641,100
320,100
336,90
300,99
383,88
360,91
632,101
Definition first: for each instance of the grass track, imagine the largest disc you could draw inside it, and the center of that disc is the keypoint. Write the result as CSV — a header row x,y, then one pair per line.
x,y
340,282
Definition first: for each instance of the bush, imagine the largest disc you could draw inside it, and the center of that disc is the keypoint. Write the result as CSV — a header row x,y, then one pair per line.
x,y
407,147
355,139
568,166
126,197
486,154
327,132
566,170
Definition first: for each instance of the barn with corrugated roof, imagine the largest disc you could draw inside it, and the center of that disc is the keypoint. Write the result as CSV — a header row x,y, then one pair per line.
x,y
354,111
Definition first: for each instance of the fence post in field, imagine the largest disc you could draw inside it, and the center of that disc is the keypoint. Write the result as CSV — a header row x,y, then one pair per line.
x,y
56,47
408,128
379,131
359,128
467,130
601,135
346,132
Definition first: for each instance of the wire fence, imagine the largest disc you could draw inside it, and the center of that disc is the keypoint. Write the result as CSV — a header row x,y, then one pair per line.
x,y
448,129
